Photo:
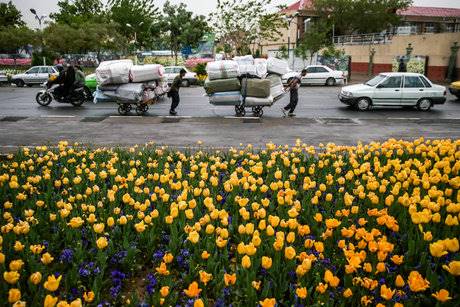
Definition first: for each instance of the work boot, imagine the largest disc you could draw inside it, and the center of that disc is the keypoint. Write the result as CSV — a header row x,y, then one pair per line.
x,y
291,114
172,113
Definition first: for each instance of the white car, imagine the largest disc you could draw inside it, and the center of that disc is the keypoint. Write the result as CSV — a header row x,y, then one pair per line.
x,y
172,71
35,75
318,75
394,89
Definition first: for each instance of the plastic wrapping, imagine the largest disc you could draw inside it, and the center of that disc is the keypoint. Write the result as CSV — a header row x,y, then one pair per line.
x,y
261,67
255,102
130,92
222,85
142,73
248,70
244,60
222,70
226,98
277,66
113,72
255,88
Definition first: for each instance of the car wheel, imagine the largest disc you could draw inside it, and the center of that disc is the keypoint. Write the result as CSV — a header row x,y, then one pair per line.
x,y
363,104
186,83
424,104
30,84
330,82
19,83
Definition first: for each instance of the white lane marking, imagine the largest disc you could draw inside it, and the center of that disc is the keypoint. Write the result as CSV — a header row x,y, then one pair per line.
x,y
57,116
404,118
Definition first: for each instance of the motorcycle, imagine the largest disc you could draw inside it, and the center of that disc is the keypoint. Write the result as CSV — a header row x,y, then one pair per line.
x,y
77,97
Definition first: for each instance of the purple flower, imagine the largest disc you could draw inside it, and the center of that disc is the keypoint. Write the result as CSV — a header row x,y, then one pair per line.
x,y
158,254
66,256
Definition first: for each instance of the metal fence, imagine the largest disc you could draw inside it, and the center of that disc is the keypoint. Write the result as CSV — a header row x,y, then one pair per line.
x,y
363,39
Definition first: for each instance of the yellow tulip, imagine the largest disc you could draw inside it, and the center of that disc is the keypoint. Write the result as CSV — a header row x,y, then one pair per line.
x,y
301,292
453,268
35,278
268,302
164,291
16,265
246,262
386,293
102,243
14,295
52,283
46,258
193,290
417,283
229,279
347,293
266,262
442,295
88,296
11,277
289,252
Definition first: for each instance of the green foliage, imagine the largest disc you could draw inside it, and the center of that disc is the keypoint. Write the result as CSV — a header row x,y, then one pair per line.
x,y
88,36
200,69
282,52
332,52
243,23
180,27
37,57
140,14
312,41
362,16
78,11
14,38
10,16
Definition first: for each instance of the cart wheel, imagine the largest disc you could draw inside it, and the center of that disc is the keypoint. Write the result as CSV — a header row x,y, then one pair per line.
x,y
141,109
258,111
240,111
124,109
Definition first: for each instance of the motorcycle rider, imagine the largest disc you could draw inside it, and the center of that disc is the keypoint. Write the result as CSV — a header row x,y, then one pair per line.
x,y
69,81
58,80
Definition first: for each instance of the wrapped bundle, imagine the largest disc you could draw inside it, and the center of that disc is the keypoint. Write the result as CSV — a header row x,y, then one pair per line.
x,y
276,86
113,72
142,73
226,98
101,96
222,85
262,102
130,92
255,88
248,70
222,70
261,67
277,66
244,60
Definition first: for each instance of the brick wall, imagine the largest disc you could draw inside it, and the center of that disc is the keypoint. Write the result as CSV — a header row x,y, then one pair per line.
x,y
434,73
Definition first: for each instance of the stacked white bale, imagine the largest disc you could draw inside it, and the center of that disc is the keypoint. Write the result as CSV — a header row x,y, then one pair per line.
x,y
222,85
277,66
113,72
143,73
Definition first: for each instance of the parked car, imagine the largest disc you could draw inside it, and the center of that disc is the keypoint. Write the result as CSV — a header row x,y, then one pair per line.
x,y
35,75
318,75
394,89
454,89
172,71
3,77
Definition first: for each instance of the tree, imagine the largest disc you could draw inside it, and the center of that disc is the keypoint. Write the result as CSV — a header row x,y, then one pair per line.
x,y
14,38
244,23
362,16
88,36
312,41
283,52
78,11
10,16
181,28
140,15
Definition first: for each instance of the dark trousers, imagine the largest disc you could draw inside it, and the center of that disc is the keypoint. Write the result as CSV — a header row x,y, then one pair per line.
x,y
175,100
294,99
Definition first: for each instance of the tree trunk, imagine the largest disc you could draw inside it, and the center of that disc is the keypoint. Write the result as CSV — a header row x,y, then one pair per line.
x,y
175,57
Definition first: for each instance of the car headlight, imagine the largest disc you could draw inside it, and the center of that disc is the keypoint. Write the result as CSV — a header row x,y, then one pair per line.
x,y
347,94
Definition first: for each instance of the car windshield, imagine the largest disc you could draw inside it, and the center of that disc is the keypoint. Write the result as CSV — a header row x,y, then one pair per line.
x,y
376,80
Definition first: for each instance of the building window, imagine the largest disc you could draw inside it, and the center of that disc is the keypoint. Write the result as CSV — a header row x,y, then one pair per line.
x,y
430,27
450,27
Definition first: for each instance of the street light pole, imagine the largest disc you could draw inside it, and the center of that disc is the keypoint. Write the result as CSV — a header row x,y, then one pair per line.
x,y
289,20
40,20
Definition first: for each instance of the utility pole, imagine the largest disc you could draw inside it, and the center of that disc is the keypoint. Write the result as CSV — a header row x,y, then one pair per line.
x,y
40,21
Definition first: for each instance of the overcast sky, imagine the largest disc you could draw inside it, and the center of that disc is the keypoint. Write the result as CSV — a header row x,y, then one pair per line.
x,y
45,7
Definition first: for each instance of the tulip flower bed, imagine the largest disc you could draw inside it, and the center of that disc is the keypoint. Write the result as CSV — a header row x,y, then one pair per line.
x,y
374,224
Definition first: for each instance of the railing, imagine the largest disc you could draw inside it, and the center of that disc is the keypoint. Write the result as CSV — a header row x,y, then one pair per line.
x,y
386,37
363,39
